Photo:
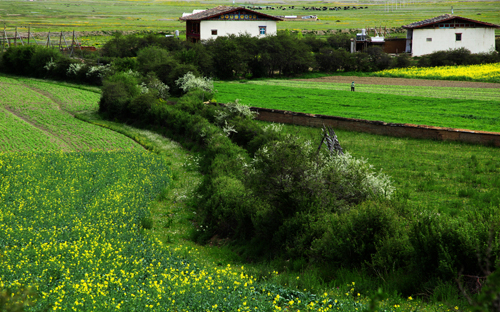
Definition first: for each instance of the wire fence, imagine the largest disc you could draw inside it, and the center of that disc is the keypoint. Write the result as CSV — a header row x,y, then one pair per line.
x,y
20,36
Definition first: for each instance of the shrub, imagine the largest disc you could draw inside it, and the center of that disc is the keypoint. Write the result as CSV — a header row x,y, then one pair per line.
x,y
117,92
354,238
403,60
94,74
340,41
296,181
125,64
151,59
120,46
189,82
331,60
152,83
139,105
379,59
17,59
40,58
444,246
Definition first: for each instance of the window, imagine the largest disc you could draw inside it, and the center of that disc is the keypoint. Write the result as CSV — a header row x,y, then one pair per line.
x,y
458,37
214,32
262,30
428,39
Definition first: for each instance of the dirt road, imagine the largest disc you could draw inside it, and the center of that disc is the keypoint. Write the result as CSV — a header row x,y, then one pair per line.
x,y
404,82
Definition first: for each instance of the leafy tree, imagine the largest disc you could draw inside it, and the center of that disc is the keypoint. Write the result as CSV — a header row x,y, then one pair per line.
x,y
379,59
228,57
340,41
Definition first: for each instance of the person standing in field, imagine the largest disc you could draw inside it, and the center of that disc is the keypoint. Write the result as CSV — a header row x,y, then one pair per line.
x,y
352,86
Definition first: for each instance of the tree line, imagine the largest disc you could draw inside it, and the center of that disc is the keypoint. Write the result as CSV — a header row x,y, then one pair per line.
x,y
285,54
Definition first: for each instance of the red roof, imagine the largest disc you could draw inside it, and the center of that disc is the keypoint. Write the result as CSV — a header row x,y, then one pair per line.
x,y
444,18
211,13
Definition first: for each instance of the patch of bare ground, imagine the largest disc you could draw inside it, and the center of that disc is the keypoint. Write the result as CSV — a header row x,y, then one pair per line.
x,y
404,82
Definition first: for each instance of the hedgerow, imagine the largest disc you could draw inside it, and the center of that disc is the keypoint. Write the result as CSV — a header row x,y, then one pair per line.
x,y
280,197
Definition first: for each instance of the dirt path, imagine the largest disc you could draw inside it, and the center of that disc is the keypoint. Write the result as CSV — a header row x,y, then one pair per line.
x,y
52,137
404,82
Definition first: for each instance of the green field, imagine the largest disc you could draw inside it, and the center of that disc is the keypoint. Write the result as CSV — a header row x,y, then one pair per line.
x,y
440,107
144,15
74,225
38,116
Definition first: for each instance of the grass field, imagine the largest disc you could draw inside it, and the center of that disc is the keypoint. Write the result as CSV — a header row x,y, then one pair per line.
x,y
54,199
371,103
125,15
39,116
74,227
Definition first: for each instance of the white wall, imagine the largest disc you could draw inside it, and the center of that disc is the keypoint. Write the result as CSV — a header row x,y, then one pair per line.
x,y
235,27
474,39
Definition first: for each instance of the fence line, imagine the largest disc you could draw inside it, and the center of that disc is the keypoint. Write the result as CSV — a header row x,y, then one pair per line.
x,y
15,36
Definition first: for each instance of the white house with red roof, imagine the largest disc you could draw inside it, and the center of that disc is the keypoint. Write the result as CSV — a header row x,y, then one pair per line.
x,y
223,21
449,32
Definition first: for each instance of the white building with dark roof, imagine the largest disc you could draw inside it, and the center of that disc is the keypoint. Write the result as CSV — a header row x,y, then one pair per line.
x,y
223,21
449,32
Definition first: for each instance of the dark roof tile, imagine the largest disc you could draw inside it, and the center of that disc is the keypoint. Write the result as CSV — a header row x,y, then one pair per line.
x,y
221,10
443,18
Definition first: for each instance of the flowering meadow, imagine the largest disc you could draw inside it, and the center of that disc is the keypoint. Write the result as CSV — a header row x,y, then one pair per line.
x,y
483,72
72,231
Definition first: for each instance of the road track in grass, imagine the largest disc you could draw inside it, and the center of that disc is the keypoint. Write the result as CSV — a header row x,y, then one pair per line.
x,y
39,116
403,82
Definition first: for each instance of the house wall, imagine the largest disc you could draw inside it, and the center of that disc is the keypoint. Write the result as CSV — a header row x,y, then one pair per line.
x,y
225,28
476,40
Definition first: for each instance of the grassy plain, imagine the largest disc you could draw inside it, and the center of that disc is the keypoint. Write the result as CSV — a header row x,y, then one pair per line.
x,y
162,15
105,197
383,103
82,232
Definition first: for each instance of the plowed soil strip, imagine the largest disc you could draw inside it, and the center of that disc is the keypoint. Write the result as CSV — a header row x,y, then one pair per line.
x,y
404,82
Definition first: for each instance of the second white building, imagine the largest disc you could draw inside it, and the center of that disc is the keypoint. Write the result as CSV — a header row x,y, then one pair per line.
x,y
449,32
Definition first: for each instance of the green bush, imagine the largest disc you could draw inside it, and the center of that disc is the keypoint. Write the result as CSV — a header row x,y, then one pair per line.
x,y
226,209
141,104
125,64
117,92
340,41
402,60
17,59
152,58
40,59
444,246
